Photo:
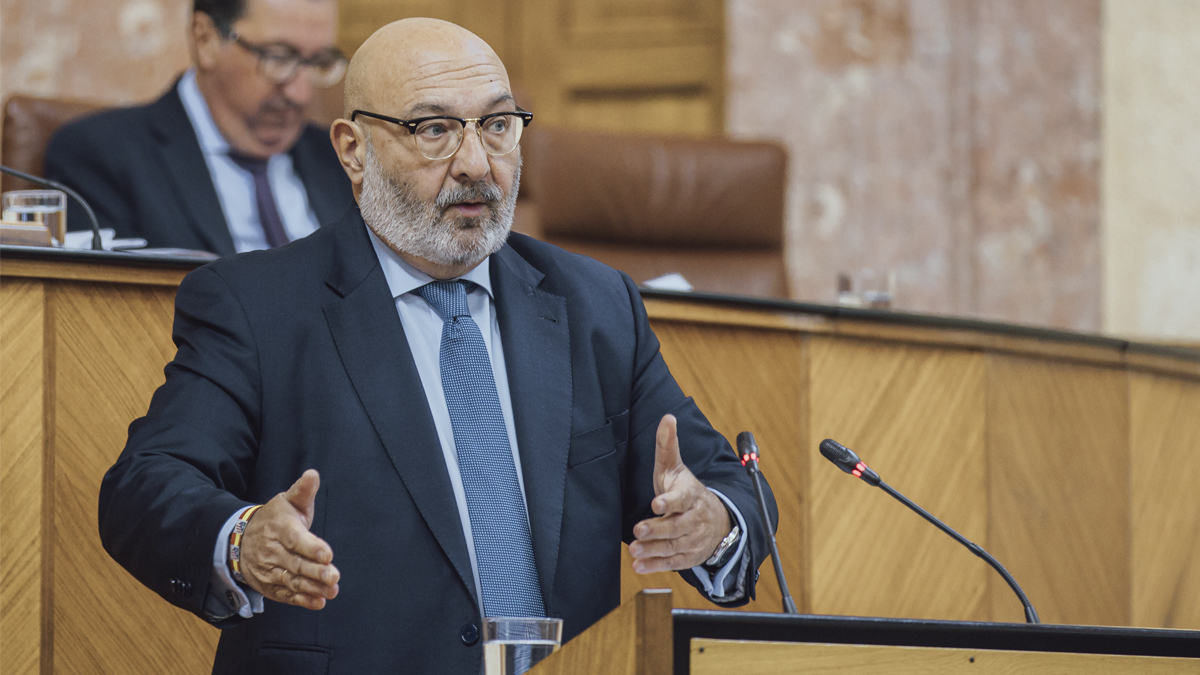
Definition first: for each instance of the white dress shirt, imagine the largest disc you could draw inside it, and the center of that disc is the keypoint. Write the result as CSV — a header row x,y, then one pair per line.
x,y
423,330
235,185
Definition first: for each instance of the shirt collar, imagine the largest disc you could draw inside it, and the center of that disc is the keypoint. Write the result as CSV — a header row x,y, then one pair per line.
x,y
404,278
211,140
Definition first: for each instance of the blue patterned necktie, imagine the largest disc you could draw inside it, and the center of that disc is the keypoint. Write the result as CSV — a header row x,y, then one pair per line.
x,y
503,547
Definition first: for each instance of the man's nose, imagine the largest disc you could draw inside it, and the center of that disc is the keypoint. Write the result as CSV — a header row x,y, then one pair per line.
x,y
299,90
470,163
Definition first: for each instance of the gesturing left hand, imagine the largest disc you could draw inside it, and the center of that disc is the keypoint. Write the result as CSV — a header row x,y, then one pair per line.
x,y
692,519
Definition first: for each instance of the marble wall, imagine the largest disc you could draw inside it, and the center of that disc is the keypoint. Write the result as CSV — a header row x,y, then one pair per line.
x,y
954,143
1152,168
109,51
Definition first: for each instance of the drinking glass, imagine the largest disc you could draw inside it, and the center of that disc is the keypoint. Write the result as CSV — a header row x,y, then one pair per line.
x,y
513,645
46,207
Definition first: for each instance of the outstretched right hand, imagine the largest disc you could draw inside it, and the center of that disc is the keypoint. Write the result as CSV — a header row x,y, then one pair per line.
x,y
280,558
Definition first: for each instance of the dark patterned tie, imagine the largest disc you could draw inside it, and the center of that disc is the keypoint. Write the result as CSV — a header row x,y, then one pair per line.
x,y
268,214
503,547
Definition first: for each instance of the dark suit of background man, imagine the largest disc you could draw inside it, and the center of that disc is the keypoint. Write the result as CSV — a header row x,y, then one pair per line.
x,y
224,161
440,424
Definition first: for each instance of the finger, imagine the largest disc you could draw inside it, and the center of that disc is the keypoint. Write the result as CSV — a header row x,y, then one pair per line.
x,y
666,452
323,574
303,492
652,565
661,528
296,539
658,548
674,502
287,596
303,585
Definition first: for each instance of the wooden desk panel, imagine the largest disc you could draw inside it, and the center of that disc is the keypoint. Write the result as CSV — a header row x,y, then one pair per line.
x,y
1058,465
22,439
916,415
1164,446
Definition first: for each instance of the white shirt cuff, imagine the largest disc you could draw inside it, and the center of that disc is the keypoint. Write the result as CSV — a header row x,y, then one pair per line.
x,y
223,591
718,585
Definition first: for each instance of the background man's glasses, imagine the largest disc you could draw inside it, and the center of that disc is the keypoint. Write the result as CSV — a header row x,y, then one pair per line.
x,y
279,63
440,137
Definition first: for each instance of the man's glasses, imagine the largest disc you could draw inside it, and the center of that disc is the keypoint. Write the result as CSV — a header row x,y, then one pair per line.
x,y
440,137
279,63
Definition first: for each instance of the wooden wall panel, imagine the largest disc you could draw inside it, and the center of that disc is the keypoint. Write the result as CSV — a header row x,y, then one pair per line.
x,y
744,382
22,440
1058,468
626,65
1164,431
111,344
915,415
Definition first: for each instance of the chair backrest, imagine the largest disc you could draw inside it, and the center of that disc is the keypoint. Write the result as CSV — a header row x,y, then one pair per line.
x,y
709,209
29,123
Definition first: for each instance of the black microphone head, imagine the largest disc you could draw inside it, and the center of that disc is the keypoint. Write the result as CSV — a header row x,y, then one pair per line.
x,y
843,457
746,444
748,451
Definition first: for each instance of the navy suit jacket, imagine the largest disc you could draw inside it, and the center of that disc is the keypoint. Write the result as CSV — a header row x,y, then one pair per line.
x,y
295,358
144,174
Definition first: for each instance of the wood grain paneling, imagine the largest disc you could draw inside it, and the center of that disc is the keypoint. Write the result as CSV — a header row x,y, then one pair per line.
x,y
915,415
22,440
1164,446
1058,486
633,639
720,657
744,381
112,341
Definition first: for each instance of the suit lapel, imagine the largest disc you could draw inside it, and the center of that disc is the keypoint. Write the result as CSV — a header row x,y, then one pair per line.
x,y
537,356
371,343
184,161
325,182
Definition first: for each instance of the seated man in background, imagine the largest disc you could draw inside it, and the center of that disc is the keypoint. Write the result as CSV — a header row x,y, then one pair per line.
x,y
225,161
411,419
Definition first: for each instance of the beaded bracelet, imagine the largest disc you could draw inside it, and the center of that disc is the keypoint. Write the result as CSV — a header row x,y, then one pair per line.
x,y
235,542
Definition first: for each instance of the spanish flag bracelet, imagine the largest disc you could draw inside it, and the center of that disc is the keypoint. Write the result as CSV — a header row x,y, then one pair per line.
x,y
235,542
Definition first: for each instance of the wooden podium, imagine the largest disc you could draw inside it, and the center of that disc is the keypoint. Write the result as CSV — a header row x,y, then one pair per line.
x,y
1072,458
646,636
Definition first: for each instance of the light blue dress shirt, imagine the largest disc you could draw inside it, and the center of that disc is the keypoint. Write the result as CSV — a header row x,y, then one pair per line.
x,y
423,330
235,185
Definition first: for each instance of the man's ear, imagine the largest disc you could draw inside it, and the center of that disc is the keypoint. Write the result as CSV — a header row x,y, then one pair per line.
x,y
206,43
349,143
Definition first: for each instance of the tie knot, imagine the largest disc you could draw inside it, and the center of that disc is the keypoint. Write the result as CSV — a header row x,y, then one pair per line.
x,y
254,165
448,298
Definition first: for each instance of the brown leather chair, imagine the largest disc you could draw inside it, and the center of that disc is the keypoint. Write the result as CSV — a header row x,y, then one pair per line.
x,y
29,123
709,209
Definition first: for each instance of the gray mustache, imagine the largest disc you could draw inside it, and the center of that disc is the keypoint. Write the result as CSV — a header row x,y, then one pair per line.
x,y
482,192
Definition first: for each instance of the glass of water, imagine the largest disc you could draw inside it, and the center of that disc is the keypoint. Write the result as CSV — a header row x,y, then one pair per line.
x,y
45,207
513,645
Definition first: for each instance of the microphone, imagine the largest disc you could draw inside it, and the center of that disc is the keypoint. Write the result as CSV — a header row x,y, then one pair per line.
x,y
847,461
748,449
97,240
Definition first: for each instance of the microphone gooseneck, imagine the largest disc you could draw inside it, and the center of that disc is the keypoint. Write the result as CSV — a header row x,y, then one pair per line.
x,y
846,460
97,240
748,453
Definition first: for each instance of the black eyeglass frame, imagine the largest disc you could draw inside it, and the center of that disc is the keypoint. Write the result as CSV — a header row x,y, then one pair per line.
x,y
260,52
524,115
411,125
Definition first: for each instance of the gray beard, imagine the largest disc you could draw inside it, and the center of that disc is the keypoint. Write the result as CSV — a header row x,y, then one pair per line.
x,y
421,228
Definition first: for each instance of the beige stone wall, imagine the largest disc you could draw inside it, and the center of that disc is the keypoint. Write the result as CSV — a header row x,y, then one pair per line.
x,y
955,142
1152,168
110,51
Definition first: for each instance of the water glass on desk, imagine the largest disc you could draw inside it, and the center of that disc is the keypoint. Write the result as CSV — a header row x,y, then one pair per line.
x,y
45,207
513,645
